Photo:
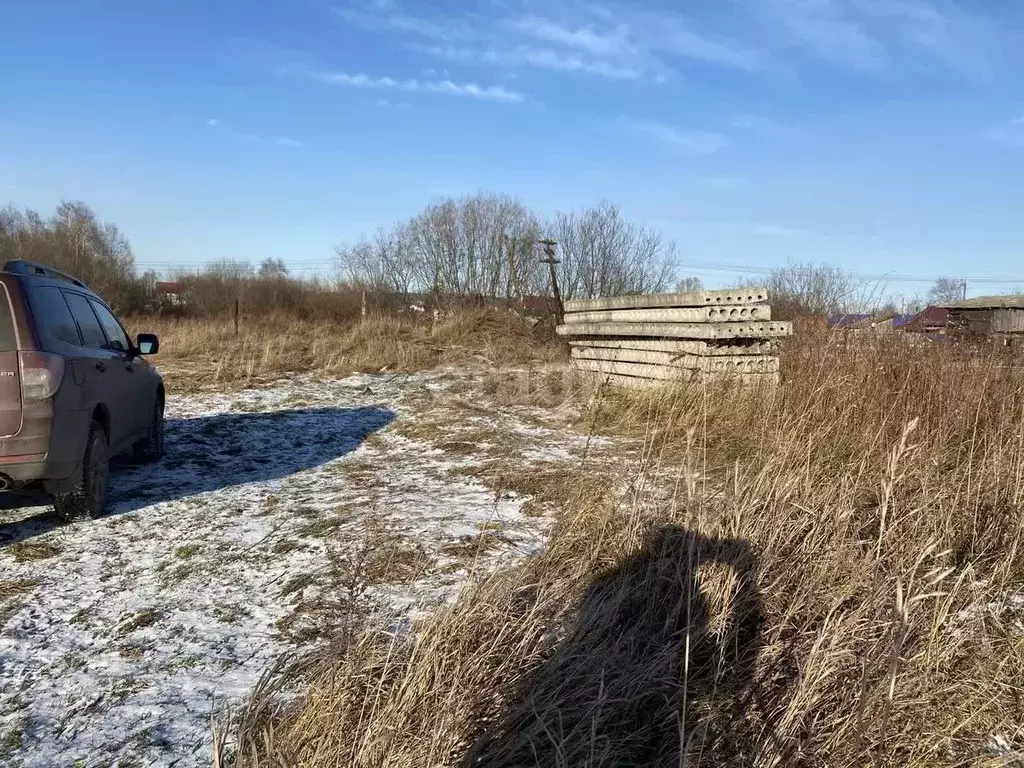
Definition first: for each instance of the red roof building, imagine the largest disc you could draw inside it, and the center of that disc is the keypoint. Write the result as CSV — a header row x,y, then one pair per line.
x,y
930,320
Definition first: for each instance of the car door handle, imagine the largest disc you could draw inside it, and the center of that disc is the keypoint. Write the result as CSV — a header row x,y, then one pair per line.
x,y
100,365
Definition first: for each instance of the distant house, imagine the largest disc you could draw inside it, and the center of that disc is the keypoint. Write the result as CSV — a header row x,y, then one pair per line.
x,y
170,293
996,317
929,320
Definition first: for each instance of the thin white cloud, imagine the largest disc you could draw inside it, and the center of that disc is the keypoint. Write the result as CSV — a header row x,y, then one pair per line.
x,y
669,36
614,42
549,59
224,129
884,36
525,56
622,40
827,28
628,37
392,18
940,30
472,90
687,142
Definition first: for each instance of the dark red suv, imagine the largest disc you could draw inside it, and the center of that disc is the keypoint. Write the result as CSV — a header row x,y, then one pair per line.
x,y
74,390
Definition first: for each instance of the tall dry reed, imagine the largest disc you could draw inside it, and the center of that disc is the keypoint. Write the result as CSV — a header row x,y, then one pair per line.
x,y
821,573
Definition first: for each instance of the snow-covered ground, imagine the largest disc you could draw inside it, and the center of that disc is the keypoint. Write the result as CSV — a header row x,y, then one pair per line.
x,y
275,511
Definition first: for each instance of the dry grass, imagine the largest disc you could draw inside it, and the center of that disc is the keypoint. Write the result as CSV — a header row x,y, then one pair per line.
x,y
13,587
198,353
829,582
30,551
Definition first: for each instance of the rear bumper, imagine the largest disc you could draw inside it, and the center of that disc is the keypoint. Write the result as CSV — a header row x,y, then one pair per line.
x,y
47,450
55,476
14,474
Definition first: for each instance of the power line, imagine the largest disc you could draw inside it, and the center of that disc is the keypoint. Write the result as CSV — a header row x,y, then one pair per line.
x,y
892,277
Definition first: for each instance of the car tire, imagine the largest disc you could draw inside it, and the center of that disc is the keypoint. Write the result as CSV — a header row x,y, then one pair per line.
x,y
151,449
90,497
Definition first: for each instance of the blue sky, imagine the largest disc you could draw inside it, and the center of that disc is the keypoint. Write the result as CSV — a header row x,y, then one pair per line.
x,y
881,135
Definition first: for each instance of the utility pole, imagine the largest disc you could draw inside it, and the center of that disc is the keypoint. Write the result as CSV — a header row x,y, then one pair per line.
x,y
965,290
551,261
510,284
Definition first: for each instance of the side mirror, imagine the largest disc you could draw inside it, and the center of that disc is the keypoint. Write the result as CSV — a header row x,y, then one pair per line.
x,y
147,344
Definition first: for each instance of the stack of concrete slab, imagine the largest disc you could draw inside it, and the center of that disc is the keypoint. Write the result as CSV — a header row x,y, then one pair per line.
x,y
642,341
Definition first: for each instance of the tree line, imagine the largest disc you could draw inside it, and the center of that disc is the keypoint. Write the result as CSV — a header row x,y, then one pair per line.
x,y
456,252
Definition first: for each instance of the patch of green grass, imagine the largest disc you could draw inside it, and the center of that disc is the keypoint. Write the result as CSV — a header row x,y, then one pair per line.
x,y
186,551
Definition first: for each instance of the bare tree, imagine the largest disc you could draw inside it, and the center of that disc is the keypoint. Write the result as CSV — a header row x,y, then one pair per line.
x,y
604,254
689,285
458,249
76,241
810,289
273,269
946,290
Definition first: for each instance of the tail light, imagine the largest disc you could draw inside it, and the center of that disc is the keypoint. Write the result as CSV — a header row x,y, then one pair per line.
x,y
41,375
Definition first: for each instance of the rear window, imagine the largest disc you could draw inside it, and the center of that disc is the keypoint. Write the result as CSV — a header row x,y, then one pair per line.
x,y
8,340
53,318
88,325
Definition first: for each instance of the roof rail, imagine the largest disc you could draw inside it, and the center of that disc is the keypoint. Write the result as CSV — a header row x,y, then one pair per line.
x,y
20,267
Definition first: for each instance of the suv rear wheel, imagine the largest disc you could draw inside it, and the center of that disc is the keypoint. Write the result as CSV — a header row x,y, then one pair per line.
x,y
151,449
90,497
